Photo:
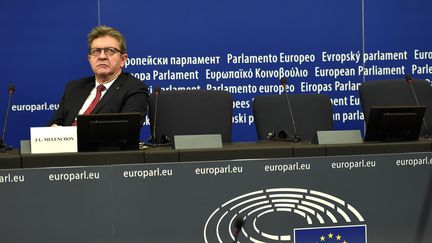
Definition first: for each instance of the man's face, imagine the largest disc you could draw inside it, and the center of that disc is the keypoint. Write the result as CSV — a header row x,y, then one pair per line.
x,y
104,65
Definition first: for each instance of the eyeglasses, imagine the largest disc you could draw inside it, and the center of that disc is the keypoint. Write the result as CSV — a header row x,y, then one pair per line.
x,y
109,51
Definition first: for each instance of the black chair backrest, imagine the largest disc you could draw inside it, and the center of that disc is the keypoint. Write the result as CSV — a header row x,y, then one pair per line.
x,y
191,112
311,113
397,92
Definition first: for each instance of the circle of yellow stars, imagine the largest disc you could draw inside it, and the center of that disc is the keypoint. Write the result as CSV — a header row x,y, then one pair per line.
x,y
332,236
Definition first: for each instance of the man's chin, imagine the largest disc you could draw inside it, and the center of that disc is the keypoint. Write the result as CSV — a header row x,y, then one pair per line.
x,y
103,73
102,68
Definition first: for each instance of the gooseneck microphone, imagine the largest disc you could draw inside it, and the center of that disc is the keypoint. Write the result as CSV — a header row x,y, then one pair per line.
x,y
154,138
409,80
154,141
238,225
296,137
3,146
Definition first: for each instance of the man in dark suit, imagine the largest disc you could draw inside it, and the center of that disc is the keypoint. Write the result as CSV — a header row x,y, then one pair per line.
x,y
109,90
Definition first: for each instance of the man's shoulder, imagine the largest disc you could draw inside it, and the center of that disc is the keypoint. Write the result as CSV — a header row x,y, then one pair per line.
x,y
83,80
129,77
79,83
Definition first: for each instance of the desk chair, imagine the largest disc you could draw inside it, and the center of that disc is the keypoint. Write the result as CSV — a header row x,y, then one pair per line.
x,y
311,113
191,112
397,93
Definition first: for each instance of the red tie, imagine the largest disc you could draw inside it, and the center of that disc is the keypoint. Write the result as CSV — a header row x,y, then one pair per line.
x,y
93,104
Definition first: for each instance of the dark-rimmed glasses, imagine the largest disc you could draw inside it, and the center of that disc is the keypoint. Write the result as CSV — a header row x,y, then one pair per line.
x,y
109,51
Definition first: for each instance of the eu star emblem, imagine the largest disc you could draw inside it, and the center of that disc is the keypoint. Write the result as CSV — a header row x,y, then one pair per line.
x,y
336,234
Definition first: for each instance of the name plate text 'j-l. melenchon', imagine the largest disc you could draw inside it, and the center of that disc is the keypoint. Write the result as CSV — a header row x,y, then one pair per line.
x,y
53,139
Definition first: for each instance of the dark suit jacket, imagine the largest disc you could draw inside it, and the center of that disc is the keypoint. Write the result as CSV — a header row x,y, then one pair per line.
x,y
126,94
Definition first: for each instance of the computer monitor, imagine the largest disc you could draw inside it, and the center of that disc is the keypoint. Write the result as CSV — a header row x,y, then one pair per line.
x,y
108,132
394,123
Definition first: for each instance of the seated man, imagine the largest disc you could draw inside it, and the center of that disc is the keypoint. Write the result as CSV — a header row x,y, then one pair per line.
x,y
109,90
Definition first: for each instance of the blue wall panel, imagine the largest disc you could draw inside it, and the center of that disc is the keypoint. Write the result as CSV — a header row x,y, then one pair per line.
x,y
44,46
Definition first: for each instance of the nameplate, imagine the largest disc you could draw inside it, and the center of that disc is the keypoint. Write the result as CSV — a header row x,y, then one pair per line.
x,y
339,137
197,141
53,139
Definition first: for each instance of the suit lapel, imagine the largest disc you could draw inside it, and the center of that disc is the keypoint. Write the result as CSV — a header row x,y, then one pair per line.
x,y
81,95
115,87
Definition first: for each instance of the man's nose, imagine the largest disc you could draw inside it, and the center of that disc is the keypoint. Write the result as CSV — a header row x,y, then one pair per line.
x,y
102,55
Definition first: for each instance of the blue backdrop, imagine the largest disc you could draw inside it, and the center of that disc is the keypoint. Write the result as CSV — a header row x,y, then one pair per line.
x,y
319,45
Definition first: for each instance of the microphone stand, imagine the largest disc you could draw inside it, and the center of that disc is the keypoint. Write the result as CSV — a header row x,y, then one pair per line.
x,y
153,138
296,138
4,147
238,225
157,91
409,80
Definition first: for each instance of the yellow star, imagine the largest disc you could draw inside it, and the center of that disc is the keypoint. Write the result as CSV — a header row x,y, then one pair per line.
x,y
322,238
330,236
338,237
344,241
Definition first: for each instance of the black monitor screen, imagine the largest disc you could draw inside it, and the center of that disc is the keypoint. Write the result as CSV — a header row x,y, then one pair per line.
x,y
394,123
108,132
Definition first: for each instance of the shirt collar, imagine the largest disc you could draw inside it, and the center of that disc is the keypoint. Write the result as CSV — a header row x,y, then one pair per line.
x,y
106,84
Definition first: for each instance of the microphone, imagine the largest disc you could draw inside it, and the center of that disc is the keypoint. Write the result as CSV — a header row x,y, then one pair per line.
x,y
3,146
409,80
157,91
238,225
296,137
164,141
154,140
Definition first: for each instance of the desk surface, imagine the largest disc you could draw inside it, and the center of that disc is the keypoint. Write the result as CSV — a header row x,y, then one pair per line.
x,y
267,149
